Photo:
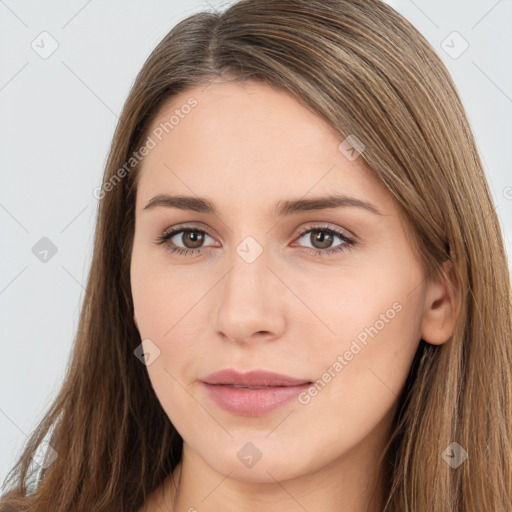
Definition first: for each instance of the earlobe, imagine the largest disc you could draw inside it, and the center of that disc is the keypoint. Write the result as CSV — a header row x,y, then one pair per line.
x,y
441,308
135,321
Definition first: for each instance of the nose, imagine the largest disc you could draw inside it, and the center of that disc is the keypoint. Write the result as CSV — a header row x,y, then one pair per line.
x,y
251,302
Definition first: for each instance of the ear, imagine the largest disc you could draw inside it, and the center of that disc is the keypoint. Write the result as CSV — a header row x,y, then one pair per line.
x,y
441,308
135,320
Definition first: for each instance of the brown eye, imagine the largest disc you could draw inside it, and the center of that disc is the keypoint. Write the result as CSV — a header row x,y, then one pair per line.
x,y
182,240
192,239
320,239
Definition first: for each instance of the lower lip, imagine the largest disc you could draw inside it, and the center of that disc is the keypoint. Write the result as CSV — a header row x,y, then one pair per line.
x,y
252,402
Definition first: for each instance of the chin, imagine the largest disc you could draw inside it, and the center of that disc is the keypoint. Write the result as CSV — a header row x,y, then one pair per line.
x,y
265,464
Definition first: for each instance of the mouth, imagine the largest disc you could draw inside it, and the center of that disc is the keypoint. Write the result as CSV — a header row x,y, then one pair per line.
x,y
236,386
253,379
254,393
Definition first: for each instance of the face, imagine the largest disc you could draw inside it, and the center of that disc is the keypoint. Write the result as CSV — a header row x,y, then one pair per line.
x,y
241,276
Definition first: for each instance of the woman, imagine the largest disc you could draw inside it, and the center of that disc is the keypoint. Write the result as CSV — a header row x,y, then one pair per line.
x,y
299,296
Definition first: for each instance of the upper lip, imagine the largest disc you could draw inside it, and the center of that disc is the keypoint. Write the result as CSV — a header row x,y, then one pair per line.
x,y
252,378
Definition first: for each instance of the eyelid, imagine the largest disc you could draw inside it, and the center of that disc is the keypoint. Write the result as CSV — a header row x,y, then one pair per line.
x,y
321,225
324,225
198,226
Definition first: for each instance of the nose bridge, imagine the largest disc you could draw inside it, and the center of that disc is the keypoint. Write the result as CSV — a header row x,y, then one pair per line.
x,y
248,302
245,284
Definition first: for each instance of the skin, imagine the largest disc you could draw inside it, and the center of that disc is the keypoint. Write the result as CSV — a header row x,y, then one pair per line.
x,y
245,147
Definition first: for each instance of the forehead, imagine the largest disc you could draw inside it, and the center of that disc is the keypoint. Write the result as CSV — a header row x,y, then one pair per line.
x,y
221,108
250,138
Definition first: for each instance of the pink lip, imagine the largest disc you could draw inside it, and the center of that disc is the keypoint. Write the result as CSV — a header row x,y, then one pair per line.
x,y
275,391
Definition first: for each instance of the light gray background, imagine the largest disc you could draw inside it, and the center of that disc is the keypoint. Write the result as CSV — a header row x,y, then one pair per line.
x,y
57,117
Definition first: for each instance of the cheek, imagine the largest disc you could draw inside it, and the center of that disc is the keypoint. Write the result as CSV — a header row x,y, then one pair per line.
x,y
362,343
167,316
163,296
362,369
369,305
164,312
167,305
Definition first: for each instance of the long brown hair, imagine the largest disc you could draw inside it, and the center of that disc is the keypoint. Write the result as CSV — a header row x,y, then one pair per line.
x,y
367,72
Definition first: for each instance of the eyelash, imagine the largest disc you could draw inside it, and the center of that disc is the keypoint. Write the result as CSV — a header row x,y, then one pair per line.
x,y
347,245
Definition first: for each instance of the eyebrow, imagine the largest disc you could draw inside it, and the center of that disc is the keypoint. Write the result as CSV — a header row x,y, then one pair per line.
x,y
281,209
